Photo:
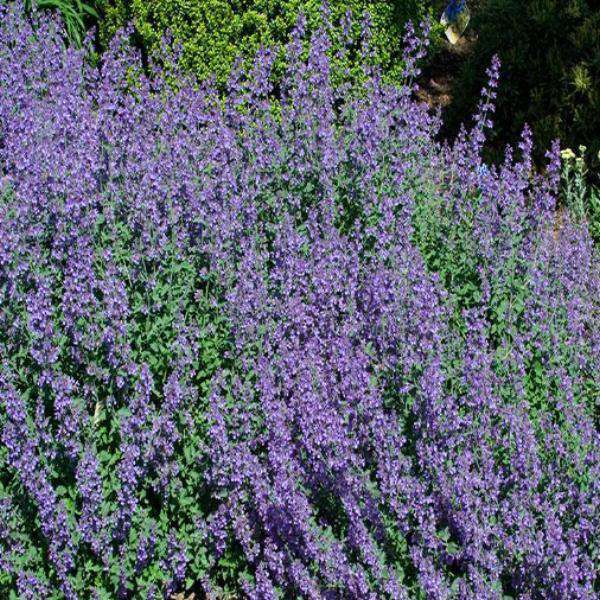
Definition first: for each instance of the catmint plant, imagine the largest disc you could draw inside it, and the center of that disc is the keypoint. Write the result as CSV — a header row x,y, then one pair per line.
x,y
291,350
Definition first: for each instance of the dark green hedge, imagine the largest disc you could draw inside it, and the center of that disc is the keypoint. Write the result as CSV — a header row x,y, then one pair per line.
x,y
550,52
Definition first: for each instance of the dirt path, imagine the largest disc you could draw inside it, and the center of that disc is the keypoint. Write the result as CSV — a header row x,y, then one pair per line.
x,y
437,79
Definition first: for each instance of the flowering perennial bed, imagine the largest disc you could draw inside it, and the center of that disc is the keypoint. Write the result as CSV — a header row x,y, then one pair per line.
x,y
283,351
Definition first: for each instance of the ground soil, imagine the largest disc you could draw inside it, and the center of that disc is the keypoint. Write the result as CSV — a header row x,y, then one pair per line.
x,y
437,78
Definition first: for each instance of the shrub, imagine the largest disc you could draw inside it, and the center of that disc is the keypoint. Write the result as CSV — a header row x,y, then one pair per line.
x,y
213,33
311,356
550,52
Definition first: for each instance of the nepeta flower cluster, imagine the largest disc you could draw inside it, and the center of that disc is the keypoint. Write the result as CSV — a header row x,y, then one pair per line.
x,y
291,349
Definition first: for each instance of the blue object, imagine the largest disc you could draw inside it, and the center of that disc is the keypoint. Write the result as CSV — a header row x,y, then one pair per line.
x,y
482,170
454,9
455,19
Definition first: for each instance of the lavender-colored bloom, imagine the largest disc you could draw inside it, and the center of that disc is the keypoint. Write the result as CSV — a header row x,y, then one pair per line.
x,y
89,483
145,550
134,440
175,563
30,587
23,457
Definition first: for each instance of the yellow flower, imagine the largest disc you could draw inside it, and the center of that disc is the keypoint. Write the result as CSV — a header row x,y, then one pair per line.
x,y
567,154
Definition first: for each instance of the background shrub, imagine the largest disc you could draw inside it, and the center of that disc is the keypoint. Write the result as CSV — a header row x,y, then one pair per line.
x,y
550,52
213,33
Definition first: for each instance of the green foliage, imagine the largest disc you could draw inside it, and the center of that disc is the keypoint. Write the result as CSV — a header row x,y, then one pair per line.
x,y
550,78
167,295
594,214
213,33
444,233
448,248
77,15
582,199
